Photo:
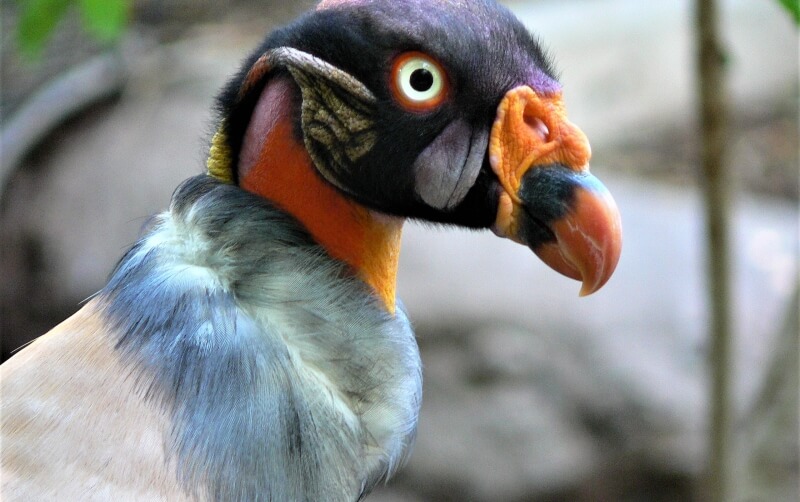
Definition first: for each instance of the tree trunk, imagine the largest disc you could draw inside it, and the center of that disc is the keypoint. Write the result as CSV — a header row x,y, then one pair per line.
x,y
716,188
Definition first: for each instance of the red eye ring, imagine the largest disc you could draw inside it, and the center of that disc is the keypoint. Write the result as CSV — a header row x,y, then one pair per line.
x,y
418,82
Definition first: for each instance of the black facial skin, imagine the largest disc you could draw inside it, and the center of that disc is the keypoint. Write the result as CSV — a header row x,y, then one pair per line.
x,y
485,52
548,193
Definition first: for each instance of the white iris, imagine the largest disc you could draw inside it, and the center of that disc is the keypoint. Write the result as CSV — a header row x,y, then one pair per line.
x,y
419,80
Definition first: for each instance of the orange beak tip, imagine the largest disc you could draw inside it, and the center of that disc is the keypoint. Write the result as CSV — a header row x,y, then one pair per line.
x,y
591,238
588,240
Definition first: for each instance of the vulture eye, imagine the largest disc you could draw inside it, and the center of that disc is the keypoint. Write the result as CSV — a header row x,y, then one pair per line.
x,y
418,82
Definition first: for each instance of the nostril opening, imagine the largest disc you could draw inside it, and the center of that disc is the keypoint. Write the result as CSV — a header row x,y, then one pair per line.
x,y
538,126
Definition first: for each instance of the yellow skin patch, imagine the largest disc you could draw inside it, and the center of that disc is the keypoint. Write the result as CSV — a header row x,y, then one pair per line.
x,y
529,131
219,159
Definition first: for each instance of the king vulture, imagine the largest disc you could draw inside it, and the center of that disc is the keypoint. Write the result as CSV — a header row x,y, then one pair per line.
x,y
249,346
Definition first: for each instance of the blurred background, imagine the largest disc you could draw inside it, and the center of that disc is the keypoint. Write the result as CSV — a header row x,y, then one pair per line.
x,y
531,393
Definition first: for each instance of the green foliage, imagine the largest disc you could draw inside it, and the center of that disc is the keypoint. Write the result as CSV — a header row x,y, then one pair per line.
x,y
38,19
104,20
793,6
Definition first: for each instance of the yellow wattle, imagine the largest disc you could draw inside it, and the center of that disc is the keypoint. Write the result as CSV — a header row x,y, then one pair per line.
x,y
219,162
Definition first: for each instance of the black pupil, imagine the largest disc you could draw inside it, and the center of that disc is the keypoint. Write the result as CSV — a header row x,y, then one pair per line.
x,y
421,80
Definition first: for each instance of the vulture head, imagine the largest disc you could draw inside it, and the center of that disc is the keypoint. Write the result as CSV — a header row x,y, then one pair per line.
x,y
448,112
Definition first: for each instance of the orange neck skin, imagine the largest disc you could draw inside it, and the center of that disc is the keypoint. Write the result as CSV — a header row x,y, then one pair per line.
x,y
276,166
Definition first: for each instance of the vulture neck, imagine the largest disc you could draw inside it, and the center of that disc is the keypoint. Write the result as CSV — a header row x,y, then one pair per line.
x,y
274,164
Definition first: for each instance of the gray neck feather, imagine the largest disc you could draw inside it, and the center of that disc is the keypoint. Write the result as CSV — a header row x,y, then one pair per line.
x,y
284,376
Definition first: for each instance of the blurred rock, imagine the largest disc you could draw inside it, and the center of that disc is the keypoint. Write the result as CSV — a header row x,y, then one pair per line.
x,y
769,443
624,367
628,66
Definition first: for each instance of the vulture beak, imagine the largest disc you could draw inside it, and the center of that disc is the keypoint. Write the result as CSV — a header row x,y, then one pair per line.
x,y
548,199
